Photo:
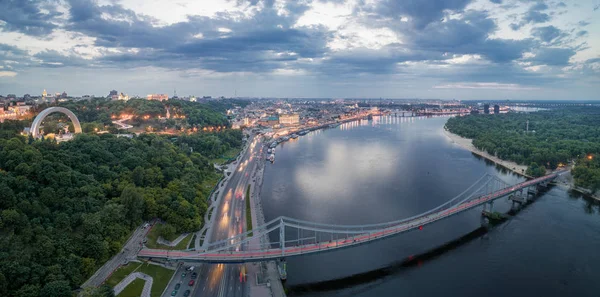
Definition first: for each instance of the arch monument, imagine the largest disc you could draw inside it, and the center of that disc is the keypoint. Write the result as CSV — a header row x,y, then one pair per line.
x,y
35,126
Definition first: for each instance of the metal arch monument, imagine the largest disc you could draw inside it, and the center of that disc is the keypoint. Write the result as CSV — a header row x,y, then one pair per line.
x,y
35,126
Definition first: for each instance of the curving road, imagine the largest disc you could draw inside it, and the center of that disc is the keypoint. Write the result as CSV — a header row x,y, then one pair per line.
x,y
224,279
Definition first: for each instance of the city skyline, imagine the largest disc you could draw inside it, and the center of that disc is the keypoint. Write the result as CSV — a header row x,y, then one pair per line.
x,y
460,49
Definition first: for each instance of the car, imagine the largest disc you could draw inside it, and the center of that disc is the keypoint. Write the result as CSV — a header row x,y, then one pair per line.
x,y
194,275
177,287
183,275
174,293
191,283
186,293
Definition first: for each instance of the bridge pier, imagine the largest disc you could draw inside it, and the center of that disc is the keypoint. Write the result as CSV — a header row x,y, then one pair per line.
x,y
532,191
517,198
485,222
282,267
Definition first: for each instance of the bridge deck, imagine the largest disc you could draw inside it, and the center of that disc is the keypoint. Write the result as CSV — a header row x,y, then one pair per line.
x,y
369,236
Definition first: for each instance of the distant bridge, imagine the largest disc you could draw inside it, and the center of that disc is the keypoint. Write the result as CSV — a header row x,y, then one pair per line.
x,y
297,237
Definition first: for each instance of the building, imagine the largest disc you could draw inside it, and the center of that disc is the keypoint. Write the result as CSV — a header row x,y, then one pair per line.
x,y
123,97
269,122
486,108
44,94
496,109
159,97
20,109
289,119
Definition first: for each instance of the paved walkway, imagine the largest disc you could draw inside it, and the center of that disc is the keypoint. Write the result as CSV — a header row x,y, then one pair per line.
x,y
175,242
130,278
127,254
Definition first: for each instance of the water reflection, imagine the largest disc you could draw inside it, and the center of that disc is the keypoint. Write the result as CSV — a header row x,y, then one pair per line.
x,y
394,167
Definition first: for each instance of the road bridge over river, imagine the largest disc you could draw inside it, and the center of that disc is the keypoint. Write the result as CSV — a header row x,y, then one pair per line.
x,y
292,237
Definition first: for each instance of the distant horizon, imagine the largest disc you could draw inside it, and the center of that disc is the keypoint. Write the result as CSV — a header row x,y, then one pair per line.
x,y
316,98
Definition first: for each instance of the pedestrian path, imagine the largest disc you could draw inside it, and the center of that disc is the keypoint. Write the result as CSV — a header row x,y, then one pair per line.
x,y
175,242
130,278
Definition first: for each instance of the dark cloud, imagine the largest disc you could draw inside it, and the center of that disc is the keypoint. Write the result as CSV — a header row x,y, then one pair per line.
x,y
540,5
421,12
27,17
470,35
81,10
552,56
52,58
547,33
435,43
12,57
583,23
534,15
263,43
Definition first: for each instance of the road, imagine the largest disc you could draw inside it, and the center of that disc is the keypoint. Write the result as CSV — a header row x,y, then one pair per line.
x,y
224,279
129,252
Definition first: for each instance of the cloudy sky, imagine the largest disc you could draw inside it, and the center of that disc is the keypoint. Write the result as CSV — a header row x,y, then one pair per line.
x,y
461,49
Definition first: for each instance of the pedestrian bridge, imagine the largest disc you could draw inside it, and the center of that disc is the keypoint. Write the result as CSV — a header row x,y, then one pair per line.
x,y
294,237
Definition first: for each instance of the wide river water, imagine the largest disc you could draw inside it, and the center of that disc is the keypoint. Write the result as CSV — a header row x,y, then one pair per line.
x,y
391,168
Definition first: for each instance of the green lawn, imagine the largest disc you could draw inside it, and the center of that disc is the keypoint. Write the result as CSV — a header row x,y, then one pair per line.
x,y
230,154
160,276
134,289
153,237
121,273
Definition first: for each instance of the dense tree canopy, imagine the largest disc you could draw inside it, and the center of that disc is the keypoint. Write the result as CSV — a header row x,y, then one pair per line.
x,y
587,172
66,208
555,136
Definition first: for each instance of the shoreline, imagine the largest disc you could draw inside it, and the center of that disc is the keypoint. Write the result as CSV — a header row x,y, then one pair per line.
x,y
467,144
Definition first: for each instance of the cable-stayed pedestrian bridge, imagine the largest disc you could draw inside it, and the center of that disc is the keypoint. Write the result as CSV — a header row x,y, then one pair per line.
x,y
287,237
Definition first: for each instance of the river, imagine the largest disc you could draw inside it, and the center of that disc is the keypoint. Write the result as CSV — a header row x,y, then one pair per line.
x,y
390,168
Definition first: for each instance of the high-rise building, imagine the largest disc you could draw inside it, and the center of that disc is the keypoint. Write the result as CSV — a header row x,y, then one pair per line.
x,y
486,108
496,109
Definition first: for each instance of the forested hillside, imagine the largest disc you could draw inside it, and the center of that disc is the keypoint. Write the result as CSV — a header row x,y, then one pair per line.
x,y
99,113
555,136
66,208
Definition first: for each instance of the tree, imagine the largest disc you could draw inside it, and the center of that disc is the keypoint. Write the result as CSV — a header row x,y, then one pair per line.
x,y
56,289
167,231
134,203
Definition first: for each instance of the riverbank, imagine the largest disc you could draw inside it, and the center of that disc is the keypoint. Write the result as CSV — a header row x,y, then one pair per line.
x,y
467,143
265,279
